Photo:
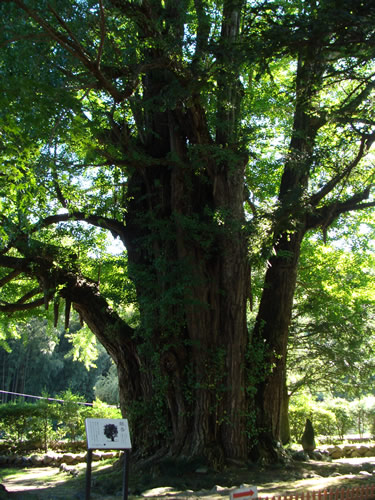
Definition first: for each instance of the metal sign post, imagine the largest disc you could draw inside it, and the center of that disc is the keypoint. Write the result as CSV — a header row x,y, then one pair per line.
x,y
108,434
125,478
88,474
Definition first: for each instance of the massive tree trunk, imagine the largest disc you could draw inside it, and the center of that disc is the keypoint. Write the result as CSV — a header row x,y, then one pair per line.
x,y
187,254
187,251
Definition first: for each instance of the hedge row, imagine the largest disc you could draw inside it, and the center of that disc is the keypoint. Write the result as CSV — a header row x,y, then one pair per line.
x,y
40,425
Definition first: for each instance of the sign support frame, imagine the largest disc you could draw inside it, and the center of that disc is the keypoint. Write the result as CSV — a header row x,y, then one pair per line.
x,y
125,476
92,443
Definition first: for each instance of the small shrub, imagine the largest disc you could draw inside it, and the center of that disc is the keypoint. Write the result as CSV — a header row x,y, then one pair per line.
x,y
101,410
324,422
18,423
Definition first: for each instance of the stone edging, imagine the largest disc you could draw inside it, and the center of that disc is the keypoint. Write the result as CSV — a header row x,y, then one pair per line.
x,y
351,451
53,459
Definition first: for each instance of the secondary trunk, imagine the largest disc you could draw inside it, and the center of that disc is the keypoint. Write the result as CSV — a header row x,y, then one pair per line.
x,y
271,331
274,314
285,424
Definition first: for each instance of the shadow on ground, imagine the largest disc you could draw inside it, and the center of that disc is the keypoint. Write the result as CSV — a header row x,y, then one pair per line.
x,y
171,479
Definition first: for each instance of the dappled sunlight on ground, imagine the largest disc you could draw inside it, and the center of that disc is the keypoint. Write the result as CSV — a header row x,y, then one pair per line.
x,y
45,477
313,484
50,482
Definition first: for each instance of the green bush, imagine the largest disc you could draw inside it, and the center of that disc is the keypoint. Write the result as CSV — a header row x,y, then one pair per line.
x,y
344,416
300,408
39,425
71,419
303,406
41,430
16,422
101,410
324,422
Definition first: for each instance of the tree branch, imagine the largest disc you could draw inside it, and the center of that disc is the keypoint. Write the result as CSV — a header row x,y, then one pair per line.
x,y
20,265
203,30
76,45
30,294
324,216
81,292
228,81
9,277
10,308
102,34
34,36
349,106
365,144
72,45
116,228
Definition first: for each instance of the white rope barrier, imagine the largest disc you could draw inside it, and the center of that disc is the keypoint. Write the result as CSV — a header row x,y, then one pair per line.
x,y
51,399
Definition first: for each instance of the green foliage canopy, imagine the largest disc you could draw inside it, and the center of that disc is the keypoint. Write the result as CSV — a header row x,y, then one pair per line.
x,y
332,331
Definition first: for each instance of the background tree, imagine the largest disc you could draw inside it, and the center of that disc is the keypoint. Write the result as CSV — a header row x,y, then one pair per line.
x,y
42,359
106,387
331,343
202,135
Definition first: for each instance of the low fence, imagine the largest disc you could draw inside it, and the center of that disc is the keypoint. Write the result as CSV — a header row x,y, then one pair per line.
x,y
354,493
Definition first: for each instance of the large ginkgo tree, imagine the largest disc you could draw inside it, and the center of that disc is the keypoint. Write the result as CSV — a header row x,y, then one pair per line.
x,y
207,136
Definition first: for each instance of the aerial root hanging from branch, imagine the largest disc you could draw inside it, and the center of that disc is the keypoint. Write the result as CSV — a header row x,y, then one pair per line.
x,y
68,306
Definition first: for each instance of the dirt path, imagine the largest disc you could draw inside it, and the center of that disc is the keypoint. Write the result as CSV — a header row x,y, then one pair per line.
x,y
49,483
43,477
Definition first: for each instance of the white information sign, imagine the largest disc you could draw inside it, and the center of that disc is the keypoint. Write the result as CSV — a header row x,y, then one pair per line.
x,y
245,493
107,433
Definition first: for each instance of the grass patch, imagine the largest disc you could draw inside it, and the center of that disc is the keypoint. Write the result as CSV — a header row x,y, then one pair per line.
x,y
11,471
